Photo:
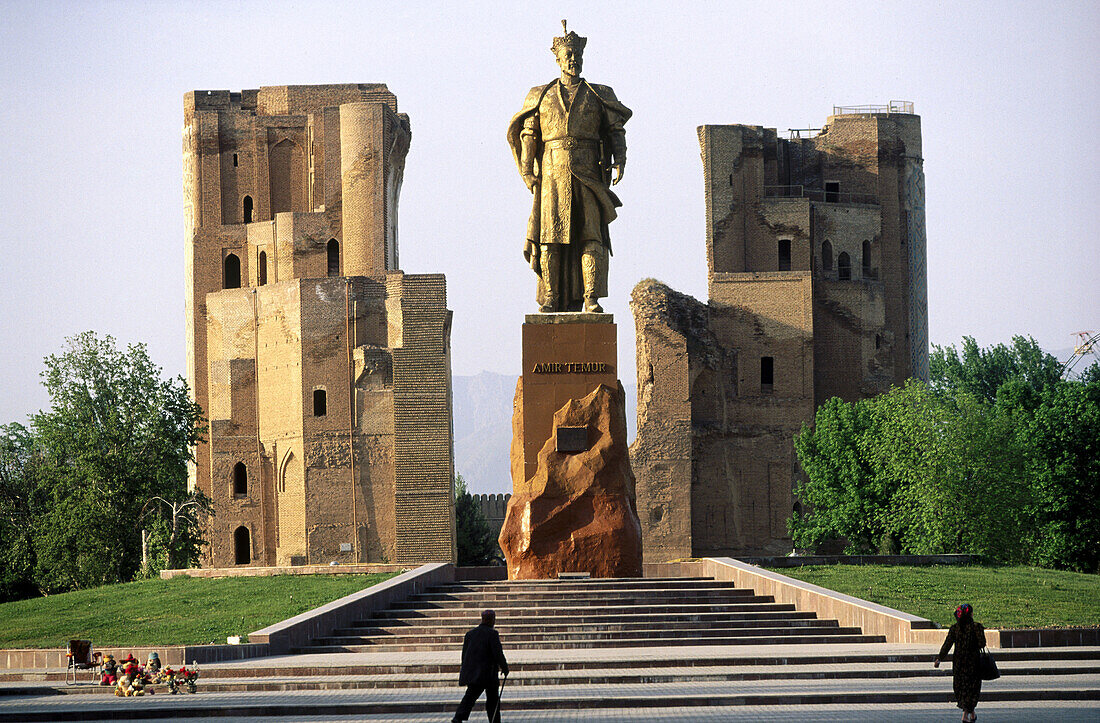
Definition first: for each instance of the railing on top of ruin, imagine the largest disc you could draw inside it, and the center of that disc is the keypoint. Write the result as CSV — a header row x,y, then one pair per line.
x,y
796,134
816,194
895,106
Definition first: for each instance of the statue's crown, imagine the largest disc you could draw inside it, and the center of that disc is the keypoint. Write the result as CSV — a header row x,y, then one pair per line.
x,y
569,40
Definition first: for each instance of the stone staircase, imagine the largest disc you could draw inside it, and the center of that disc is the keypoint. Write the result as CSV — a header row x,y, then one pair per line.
x,y
559,614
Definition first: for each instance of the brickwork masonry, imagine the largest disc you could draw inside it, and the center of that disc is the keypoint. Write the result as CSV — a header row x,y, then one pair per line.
x,y
816,288
323,369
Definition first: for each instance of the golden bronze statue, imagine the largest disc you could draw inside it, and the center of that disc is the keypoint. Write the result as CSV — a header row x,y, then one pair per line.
x,y
567,140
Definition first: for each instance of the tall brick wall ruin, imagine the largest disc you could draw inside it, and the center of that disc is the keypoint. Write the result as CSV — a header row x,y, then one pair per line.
x,y
323,369
816,286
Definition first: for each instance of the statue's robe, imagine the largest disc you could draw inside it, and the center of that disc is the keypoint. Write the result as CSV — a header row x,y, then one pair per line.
x,y
575,145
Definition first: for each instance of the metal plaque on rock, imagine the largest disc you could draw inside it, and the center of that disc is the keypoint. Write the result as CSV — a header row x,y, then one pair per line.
x,y
571,439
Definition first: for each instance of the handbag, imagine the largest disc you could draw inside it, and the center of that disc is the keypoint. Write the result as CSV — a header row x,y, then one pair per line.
x,y
987,666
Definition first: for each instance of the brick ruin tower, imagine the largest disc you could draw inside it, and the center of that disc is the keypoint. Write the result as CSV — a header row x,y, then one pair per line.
x,y
817,289
323,369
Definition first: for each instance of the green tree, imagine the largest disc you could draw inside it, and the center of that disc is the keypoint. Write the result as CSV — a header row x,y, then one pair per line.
x,y
1091,374
912,471
21,502
115,436
1063,438
839,496
174,529
981,372
967,493
998,457
475,539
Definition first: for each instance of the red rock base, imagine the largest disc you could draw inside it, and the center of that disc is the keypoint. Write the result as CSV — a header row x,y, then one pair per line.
x,y
577,513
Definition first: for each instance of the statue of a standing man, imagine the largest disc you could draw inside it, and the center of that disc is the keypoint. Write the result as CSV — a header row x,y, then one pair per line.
x,y
567,140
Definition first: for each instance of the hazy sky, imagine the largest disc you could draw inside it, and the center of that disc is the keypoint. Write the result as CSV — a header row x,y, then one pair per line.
x,y
91,101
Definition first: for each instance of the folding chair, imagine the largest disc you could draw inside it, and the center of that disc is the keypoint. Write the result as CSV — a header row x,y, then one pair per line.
x,y
81,657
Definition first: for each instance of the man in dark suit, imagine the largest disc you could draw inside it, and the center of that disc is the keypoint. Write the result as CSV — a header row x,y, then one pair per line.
x,y
482,658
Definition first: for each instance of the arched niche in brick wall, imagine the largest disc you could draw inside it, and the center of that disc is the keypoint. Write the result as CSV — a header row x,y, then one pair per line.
x,y
242,546
231,272
286,165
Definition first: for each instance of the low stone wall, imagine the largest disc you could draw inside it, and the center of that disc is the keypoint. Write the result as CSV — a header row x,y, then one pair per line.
x,y
47,658
1042,637
800,560
299,630
895,625
484,573
247,571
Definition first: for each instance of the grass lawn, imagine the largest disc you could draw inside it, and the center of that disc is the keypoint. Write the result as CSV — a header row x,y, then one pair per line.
x,y
183,610
1003,597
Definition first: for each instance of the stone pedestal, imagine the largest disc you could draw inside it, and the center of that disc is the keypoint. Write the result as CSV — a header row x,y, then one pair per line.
x,y
572,506
565,356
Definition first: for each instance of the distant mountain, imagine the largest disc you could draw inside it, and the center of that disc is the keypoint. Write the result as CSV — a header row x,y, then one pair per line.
x,y
483,428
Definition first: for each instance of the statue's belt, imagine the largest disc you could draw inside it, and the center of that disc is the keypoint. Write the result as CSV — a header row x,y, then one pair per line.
x,y
570,143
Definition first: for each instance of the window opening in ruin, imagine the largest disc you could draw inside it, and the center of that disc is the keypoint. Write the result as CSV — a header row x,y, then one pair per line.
x,y
232,276
784,254
333,257
242,546
878,341
832,191
234,160
866,259
240,479
843,266
261,273
827,255
320,403
248,209
767,374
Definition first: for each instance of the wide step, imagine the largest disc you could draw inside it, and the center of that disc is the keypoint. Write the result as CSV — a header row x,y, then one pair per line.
x,y
508,626
609,643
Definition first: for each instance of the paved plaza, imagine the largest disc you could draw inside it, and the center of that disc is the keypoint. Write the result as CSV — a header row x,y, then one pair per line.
x,y
908,713
215,707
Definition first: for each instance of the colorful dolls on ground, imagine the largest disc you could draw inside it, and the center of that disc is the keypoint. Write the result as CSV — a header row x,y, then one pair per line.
x,y
152,667
130,668
132,679
110,671
137,684
122,687
129,665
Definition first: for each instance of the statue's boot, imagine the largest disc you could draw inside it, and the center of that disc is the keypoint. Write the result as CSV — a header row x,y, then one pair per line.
x,y
550,259
588,275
